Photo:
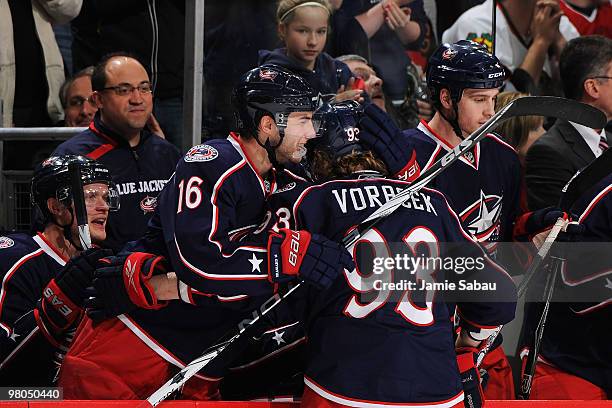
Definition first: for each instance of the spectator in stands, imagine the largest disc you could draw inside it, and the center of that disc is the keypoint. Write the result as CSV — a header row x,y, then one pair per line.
x,y
75,95
522,131
303,27
526,31
347,35
140,162
373,83
393,27
154,33
586,71
31,70
589,16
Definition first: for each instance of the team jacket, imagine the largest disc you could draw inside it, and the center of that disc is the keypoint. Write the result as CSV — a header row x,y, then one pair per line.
x,y
368,346
140,173
203,225
27,264
577,335
483,189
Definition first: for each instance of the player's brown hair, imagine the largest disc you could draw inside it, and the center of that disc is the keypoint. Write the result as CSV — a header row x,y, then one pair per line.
x,y
325,167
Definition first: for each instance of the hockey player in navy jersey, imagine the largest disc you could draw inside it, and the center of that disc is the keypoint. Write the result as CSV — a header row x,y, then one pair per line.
x,y
577,363
44,276
483,186
370,345
201,228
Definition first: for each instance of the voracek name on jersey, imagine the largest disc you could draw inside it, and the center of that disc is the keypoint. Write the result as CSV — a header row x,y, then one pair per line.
x,y
147,186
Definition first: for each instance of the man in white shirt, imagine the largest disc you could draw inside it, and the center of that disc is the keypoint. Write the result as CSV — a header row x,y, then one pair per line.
x,y
586,72
523,39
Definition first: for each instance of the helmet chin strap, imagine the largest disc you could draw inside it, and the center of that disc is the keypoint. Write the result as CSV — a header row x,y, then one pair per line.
x,y
67,229
454,122
271,150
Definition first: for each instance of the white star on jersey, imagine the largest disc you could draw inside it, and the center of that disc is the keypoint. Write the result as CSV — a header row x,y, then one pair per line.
x,y
278,336
255,263
487,217
608,284
14,336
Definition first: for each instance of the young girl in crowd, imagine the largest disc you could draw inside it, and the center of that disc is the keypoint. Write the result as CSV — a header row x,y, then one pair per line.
x,y
303,27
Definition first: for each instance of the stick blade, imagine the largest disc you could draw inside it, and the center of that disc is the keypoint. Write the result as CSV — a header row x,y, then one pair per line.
x,y
560,108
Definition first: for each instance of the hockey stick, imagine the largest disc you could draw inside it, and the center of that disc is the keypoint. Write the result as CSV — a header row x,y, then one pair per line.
x,y
579,184
575,188
493,27
544,106
532,356
526,106
80,210
246,326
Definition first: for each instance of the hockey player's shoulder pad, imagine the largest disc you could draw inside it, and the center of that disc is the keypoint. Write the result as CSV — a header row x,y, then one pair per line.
x,y
14,247
501,145
213,158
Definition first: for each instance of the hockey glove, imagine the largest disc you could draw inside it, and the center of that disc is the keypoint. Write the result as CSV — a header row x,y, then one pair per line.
x,y
62,299
313,258
532,223
380,134
471,379
121,285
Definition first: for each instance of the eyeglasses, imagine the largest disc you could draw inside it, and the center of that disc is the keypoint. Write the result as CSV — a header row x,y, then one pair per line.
x,y
78,101
126,89
602,77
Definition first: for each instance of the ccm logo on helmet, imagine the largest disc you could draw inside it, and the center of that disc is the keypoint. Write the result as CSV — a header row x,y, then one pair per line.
x,y
496,75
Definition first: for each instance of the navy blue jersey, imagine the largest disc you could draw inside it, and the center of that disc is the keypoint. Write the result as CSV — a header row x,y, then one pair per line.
x,y
484,188
577,335
139,172
202,224
27,265
393,347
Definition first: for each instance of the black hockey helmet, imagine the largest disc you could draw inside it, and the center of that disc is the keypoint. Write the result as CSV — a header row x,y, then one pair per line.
x,y
464,64
339,129
52,179
272,90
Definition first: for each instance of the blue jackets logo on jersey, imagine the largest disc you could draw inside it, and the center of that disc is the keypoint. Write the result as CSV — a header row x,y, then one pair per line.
x,y
148,204
6,242
482,218
201,153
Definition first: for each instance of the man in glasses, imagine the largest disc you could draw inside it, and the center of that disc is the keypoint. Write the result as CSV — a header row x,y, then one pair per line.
x,y
586,71
75,95
44,276
118,137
